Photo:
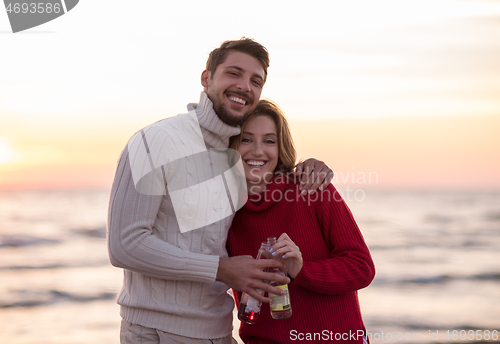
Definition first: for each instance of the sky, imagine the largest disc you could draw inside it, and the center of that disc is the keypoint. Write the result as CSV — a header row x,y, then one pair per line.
x,y
390,94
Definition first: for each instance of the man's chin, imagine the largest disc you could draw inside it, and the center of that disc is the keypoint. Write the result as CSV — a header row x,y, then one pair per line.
x,y
231,118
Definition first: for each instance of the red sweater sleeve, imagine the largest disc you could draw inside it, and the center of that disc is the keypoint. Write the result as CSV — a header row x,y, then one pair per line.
x,y
350,266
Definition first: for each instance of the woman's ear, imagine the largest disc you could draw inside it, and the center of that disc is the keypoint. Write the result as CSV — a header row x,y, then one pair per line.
x,y
205,75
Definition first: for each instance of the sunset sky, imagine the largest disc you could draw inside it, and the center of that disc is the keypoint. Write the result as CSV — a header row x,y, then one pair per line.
x,y
407,92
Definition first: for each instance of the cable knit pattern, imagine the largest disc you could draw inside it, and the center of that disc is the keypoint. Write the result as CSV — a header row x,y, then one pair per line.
x,y
169,277
337,263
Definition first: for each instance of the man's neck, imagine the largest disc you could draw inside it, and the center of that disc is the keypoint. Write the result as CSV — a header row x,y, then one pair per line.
x,y
215,132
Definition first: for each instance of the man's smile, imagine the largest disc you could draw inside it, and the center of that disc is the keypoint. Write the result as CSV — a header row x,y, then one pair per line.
x,y
239,99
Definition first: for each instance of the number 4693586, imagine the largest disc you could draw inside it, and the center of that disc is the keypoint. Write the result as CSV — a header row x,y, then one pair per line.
x,y
471,335
40,7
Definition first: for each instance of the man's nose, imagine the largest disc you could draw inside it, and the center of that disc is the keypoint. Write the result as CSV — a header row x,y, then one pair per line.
x,y
244,85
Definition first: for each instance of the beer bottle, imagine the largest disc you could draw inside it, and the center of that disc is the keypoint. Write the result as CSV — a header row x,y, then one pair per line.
x,y
249,310
281,307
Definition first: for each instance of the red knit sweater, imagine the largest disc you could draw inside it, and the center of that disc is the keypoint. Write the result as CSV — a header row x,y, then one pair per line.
x,y
336,264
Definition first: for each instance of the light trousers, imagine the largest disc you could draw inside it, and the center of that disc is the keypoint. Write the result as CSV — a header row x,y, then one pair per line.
x,y
137,334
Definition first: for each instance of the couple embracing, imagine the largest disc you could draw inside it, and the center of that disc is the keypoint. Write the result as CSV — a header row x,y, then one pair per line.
x,y
183,236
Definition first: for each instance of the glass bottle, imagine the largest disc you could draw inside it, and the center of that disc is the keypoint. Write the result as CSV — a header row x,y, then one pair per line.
x,y
281,308
249,310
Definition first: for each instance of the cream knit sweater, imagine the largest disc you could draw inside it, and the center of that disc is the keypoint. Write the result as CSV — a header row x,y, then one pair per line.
x,y
169,276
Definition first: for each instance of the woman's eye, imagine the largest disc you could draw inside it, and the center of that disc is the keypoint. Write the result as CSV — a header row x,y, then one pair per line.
x,y
271,142
245,140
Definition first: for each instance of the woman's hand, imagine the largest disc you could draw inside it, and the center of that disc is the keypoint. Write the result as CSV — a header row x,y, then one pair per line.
x,y
286,249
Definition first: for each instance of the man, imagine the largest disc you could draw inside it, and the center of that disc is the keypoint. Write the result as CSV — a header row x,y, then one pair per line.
x,y
172,203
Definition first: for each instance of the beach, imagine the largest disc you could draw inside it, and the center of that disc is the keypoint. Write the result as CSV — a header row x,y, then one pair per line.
x,y
436,255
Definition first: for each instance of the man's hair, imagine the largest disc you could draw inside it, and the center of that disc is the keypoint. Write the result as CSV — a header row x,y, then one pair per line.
x,y
287,154
243,45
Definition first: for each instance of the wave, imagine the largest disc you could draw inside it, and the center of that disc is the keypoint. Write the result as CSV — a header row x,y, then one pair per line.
x,y
485,239
56,266
441,219
438,279
492,216
23,240
26,240
98,232
380,322
27,298
390,322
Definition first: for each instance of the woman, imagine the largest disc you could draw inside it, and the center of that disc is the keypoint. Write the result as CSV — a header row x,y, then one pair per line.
x,y
327,259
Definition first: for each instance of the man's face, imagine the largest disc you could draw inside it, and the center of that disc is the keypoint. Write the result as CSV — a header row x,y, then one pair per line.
x,y
235,87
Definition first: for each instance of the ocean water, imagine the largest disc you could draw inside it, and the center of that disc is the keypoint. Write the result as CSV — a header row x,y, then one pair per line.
x,y
437,256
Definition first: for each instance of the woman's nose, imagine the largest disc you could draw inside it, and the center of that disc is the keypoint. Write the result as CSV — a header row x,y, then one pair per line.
x,y
257,149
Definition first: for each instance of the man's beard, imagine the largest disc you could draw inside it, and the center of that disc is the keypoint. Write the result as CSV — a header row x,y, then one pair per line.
x,y
226,116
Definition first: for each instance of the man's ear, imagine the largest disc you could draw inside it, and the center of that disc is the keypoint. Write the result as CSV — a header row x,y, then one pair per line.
x,y
205,75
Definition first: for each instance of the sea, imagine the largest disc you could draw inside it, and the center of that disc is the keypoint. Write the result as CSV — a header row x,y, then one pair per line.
x,y
437,256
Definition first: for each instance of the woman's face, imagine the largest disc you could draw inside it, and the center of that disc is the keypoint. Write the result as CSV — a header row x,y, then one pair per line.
x,y
259,151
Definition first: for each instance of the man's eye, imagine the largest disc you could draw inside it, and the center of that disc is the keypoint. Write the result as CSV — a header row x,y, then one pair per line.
x,y
257,83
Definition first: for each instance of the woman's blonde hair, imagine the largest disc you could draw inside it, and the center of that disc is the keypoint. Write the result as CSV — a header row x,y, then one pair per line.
x,y
286,148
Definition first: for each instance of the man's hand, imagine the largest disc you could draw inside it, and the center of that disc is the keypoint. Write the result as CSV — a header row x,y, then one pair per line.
x,y
313,174
245,274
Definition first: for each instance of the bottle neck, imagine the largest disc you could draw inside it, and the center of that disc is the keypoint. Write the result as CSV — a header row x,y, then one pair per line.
x,y
262,251
271,241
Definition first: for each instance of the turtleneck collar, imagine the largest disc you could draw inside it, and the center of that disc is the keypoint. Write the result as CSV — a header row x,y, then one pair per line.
x,y
215,132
